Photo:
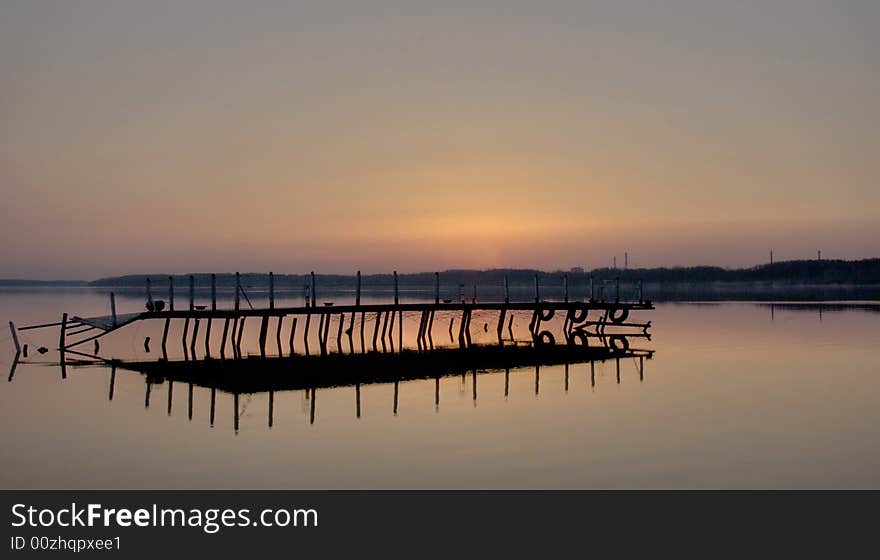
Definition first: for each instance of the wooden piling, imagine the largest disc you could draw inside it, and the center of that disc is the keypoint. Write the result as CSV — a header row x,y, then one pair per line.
x,y
237,300
357,293
149,295
264,327
208,338
339,332
313,294
213,292
396,293
171,293
192,347
113,308
436,288
271,290
192,292
61,339
165,337
278,335
537,289
506,289
240,333
565,286
592,294
223,338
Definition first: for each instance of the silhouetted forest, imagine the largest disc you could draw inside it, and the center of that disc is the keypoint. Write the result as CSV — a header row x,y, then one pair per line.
x,y
812,272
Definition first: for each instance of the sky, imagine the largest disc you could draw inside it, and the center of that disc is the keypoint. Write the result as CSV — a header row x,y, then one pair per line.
x,y
183,136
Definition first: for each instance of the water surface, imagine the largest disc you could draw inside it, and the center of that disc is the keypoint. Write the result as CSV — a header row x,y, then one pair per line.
x,y
737,395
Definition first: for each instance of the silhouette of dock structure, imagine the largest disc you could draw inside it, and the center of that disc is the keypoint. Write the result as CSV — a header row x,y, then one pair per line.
x,y
364,328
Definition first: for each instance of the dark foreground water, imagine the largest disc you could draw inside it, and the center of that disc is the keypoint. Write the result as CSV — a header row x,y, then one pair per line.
x,y
738,395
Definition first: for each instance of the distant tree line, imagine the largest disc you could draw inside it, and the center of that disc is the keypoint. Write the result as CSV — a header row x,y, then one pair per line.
x,y
865,271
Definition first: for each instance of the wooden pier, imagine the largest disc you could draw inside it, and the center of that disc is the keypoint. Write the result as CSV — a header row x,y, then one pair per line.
x,y
337,327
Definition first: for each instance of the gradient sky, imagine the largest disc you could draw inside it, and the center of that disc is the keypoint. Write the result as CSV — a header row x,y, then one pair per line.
x,y
290,136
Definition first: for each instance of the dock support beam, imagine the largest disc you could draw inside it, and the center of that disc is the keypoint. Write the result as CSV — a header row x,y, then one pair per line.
x,y
271,290
213,292
192,292
237,291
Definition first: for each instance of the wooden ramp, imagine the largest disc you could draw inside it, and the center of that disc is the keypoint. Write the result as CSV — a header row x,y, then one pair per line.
x,y
105,322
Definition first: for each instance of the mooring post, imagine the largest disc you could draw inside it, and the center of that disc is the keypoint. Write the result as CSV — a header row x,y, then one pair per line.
x,y
474,300
264,327
113,307
357,293
237,290
537,289
61,340
592,295
506,289
149,295
171,293
617,289
271,290
641,296
436,288
314,298
15,336
396,295
192,292
565,286
213,292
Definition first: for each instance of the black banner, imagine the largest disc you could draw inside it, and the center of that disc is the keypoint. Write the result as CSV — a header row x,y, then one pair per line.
x,y
408,524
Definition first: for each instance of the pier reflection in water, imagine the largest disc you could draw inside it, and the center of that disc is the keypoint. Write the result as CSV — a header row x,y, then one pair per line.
x,y
263,379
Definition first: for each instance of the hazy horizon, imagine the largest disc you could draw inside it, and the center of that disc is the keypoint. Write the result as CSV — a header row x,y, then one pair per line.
x,y
336,136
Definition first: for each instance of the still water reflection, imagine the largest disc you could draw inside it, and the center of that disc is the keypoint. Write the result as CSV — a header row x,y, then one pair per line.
x,y
737,395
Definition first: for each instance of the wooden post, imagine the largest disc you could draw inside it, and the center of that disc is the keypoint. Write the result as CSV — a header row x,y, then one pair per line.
x,y
436,288
240,333
278,336
113,308
61,341
264,327
506,289
641,295
213,292
192,346
171,293
192,292
149,294
223,338
357,293
537,289
208,338
617,289
271,290
565,286
165,337
237,290
592,295
475,294
314,299
292,334
396,295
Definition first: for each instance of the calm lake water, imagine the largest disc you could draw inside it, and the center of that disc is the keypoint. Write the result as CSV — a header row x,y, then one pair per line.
x,y
737,395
